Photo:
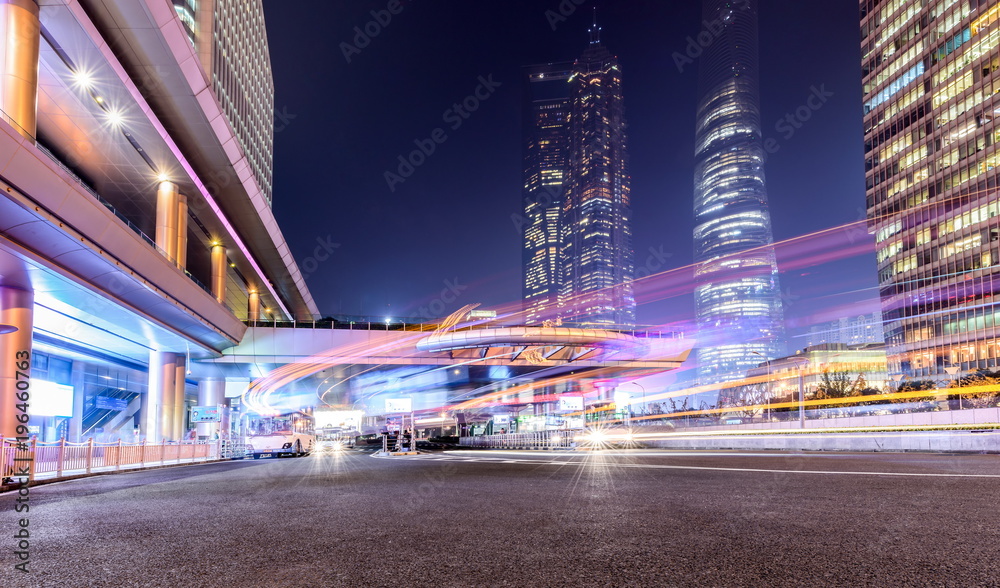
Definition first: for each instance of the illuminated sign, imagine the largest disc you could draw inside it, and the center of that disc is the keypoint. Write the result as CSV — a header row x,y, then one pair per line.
x,y
569,403
108,403
49,399
338,419
398,405
205,414
483,314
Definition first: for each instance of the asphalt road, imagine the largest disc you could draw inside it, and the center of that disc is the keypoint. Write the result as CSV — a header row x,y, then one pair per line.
x,y
643,518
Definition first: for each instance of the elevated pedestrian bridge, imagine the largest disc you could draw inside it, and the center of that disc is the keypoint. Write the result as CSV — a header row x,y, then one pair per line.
x,y
325,344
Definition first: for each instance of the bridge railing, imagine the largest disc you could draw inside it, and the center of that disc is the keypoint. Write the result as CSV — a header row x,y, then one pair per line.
x,y
419,325
33,460
534,440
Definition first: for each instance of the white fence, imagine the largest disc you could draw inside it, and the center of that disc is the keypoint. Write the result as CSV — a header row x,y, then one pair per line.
x,y
535,440
54,460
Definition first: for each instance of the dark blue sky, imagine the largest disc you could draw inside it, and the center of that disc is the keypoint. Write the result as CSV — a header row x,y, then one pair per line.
x,y
342,125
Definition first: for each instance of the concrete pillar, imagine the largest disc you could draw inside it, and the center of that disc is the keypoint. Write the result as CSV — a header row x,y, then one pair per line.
x,y
159,396
254,310
182,231
17,310
79,392
19,64
166,219
211,392
180,406
219,266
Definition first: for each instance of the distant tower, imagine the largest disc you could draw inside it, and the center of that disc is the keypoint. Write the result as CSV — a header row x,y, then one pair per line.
x,y
545,127
597,256
737,297
231,41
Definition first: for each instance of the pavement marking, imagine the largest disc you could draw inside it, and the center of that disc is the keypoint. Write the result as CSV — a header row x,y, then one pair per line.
x,y
721,469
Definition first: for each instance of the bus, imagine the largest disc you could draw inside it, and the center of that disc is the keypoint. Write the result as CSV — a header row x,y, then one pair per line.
x,y
292,434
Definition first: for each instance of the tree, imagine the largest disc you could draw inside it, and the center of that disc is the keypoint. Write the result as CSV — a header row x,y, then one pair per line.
x,y
987,395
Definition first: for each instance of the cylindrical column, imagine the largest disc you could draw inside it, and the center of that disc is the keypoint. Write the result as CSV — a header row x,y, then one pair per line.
x,y
19,62
180,406
182,231
78,379
219,271
254,310
166,219
211,392
160,387
16,310
168,375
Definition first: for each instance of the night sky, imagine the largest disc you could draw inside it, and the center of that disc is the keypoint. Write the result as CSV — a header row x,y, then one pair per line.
x,y
341,125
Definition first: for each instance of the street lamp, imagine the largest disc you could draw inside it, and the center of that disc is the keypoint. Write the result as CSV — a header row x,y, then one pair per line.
x,y
767,387
952,371
643,397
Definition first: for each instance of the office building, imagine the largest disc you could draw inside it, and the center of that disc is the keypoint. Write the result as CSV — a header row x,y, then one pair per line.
x,y
739,313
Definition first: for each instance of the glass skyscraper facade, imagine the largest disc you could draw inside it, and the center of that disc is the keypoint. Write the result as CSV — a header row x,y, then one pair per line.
x,y
576,149
545,128
737,298
929,72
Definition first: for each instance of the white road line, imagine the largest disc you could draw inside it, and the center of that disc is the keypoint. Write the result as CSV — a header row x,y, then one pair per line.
x,y
720,469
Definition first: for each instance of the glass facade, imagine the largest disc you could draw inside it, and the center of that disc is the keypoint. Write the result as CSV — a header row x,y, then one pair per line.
x,y
931,173
546,154
737,294
577,191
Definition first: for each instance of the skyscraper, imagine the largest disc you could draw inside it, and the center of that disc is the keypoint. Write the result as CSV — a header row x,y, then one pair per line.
x,y
737,294
545,127
231,41
577,183
931,158
598,261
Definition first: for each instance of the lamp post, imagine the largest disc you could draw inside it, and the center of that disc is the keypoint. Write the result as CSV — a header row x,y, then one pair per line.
x,y
952,371
643,397
767,387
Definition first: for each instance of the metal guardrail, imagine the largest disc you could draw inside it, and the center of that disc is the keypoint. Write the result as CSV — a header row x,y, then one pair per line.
x,y
564,439
364,324
65,458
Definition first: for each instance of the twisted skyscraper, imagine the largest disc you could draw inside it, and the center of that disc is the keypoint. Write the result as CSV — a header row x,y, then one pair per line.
x,y
737,296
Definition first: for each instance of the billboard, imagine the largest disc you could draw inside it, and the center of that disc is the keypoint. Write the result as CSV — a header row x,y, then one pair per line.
x,y
570,403
398,405
206,414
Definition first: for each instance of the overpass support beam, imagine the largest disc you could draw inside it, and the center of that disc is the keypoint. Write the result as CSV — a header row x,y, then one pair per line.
x,y
19,44
159,397
180,406
182,232
167,209
16,310
253,313
219,267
